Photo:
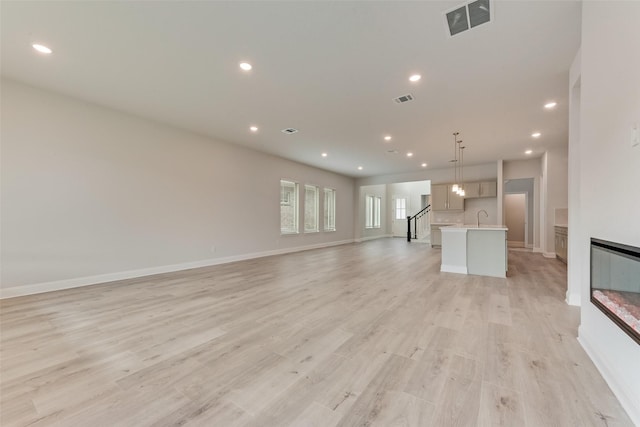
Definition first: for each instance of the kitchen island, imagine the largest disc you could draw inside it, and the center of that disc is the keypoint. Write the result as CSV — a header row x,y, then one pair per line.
x,y
472,249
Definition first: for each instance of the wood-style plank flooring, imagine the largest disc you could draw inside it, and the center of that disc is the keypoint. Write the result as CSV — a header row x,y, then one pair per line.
x,y
367,334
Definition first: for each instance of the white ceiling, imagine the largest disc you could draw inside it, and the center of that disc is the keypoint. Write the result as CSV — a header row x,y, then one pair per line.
x,y
327,68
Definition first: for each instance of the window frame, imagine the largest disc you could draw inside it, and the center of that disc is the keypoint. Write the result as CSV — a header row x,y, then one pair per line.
x,y
316,208
373,205
402,209
329,208
294,204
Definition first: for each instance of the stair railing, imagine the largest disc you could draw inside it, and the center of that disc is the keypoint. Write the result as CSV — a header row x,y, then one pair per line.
x,y
415,219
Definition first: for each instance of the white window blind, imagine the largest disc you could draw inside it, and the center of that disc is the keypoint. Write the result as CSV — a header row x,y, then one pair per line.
x,y
329,209
311,202
288,207
372,211
401,208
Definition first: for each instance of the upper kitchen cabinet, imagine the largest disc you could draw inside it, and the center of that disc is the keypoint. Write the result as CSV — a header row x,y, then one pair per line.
x,y
488,189
475,190
443,199
471,190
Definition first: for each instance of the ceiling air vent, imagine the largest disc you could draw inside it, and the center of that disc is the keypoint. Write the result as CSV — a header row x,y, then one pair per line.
x,y
404,98
468,16
289,131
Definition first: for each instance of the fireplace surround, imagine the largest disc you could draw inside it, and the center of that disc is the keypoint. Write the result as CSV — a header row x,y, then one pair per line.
x,y
615,284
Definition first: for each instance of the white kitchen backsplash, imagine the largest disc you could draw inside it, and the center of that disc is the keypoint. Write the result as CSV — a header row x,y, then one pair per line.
x,y
448,217
561,216
472,206
469,216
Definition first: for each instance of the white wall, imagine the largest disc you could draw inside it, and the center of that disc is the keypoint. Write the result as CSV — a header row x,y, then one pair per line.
x,y
487,171
92,192
556,191
609,105
577,250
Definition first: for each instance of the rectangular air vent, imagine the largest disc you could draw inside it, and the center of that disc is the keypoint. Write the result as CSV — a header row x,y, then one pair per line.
x,y
468,16
404,98
289,131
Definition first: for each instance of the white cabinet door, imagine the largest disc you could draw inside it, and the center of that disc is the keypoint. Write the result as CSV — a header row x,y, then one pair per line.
x,y
488,189
471,190
439,197
456,203
436,236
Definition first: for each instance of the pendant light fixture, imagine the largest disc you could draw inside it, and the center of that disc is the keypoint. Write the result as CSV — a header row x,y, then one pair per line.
x,y
458,171
461,191
454,187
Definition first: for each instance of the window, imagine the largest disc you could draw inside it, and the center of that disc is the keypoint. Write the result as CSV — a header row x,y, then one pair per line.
x,y
329,209
311,202
372,212
401,208
288,207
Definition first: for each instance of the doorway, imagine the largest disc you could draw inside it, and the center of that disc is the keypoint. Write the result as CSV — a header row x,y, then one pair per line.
x,y
516,219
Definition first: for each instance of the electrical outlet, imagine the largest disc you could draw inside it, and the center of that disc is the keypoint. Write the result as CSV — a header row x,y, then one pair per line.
x,y
635,138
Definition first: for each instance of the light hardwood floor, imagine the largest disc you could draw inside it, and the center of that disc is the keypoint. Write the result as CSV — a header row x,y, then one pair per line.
x,y
355,335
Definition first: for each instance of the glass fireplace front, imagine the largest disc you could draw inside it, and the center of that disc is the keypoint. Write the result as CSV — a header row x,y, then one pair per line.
x,y
615,283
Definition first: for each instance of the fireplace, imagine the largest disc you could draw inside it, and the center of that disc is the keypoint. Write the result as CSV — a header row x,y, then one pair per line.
x,y
615,284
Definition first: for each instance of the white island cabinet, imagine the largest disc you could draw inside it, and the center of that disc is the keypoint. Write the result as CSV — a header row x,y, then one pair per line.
x,y
469,249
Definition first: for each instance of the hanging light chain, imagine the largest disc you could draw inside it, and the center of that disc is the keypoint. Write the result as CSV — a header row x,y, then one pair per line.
x,y
454,187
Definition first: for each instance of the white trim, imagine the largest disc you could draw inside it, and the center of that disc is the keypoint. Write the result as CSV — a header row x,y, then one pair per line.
x,y
38,288
622,390
573,299
548,254
453,269
364,239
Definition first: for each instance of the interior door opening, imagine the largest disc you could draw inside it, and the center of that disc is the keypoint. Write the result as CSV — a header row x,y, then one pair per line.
x,y
516,219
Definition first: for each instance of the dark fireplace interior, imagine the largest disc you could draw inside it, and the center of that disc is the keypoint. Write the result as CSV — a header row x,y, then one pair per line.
x,y
615,284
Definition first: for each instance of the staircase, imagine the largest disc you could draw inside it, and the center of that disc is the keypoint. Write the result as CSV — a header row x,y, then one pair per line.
x,y
418,227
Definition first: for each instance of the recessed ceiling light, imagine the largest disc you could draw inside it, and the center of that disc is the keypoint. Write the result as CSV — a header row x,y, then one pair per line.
x,y
536,134
415,78
360,168
528,152
253,129
424,165
387,138
245,66
41,48
550,105
324,154
409,154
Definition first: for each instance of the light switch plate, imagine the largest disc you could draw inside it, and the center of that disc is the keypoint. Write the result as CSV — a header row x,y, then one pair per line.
x,y
635,138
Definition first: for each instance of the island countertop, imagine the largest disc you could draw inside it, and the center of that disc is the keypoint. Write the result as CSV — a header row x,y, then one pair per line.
x,y
487,227
472,249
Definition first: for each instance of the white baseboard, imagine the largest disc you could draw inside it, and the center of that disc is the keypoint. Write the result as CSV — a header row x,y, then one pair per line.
x,y
515,244
544,254
365,239
529,246
627,395
38,288
573,299
453,269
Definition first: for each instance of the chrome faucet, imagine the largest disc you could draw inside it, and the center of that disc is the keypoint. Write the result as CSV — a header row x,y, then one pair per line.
x,y
478,217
